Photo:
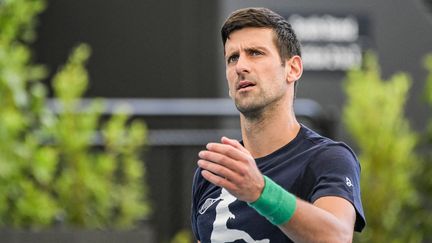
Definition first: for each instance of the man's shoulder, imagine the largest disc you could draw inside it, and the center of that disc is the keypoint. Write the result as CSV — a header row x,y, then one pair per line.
x,y
327,149
313,136
324,142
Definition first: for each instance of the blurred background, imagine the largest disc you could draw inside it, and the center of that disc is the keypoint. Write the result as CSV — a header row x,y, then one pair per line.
x,y
164,61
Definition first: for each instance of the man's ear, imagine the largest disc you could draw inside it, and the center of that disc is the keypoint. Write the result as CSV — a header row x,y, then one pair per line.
x,y
294,68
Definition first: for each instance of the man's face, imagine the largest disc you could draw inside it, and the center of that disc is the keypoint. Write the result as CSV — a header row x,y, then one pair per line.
x,y
254,70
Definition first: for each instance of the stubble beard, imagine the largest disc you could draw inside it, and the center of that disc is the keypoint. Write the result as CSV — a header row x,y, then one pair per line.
x,y
253,108
250,111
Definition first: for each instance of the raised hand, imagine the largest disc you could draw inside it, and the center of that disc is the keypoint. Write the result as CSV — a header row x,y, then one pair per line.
x,y
229,165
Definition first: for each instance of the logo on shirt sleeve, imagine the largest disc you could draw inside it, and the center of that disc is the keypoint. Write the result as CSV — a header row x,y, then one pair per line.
x,y
348,182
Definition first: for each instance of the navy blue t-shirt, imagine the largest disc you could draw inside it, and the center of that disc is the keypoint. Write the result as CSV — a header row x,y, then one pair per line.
x,y
310,167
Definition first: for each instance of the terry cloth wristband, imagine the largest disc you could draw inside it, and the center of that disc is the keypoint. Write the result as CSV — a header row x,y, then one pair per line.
x,y
275,203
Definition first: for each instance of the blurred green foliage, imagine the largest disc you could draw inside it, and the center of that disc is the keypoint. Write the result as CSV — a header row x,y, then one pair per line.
x,y
389,156
182,236
428,90
423,178
50,169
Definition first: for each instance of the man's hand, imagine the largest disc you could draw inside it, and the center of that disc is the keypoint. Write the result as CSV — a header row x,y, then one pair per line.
x,y
229,165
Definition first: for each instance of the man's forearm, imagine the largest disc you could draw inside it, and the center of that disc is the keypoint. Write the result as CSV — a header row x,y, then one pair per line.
x,y
313,224
330,220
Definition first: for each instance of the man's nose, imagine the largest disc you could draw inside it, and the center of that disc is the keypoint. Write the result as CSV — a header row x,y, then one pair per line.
x,y
242,65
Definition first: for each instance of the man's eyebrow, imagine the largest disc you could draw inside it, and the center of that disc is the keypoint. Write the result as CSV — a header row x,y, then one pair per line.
x,y
247,49
230,53
253,48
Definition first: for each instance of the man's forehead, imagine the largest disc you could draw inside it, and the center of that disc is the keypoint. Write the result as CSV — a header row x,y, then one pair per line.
x,y
255,31
250,37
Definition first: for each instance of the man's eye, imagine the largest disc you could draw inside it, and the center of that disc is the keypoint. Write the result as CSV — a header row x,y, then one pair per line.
x,y
255,53
233,58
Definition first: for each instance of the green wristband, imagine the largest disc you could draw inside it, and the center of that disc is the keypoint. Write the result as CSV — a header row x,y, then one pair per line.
x,y
275,203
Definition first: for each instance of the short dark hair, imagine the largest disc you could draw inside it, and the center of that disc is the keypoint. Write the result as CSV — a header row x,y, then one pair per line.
x,y
286,41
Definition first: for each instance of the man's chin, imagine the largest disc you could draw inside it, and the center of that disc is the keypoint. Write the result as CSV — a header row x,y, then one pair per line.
x,y
249,111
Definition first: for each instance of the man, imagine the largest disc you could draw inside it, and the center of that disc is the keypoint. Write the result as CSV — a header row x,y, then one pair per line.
x,y
284,182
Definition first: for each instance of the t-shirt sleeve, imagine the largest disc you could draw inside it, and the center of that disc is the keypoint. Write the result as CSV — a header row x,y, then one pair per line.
x,y
194,211
337,173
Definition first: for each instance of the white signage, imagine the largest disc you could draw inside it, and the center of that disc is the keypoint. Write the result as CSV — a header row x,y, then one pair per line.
x,y
329,43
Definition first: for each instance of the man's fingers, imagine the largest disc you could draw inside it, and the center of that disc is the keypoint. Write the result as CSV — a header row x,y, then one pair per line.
x,y
231,166
236,144
221,159
217,180
228,150
217,169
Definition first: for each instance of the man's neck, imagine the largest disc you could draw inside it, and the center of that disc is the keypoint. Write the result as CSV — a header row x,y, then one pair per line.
x,y
268,132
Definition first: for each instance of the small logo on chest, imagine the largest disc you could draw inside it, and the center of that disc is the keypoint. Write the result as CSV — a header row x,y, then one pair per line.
x,y
207,204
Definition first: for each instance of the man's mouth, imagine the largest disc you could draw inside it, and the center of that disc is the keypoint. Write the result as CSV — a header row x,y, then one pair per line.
x,y
244,84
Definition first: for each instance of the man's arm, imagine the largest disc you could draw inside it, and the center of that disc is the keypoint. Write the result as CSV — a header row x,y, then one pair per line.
x,y
231,166
329,219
